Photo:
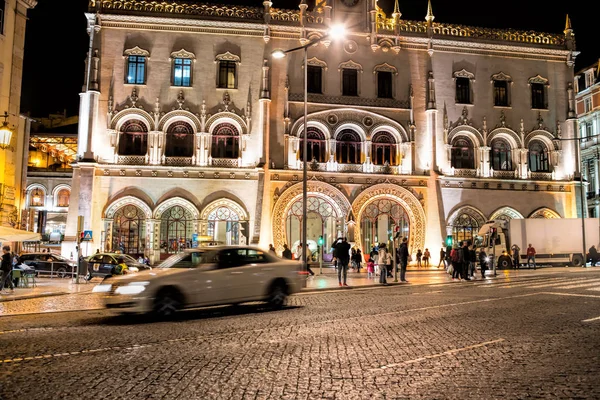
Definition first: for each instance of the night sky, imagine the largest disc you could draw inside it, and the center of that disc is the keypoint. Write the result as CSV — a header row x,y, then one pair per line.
x,y
56,40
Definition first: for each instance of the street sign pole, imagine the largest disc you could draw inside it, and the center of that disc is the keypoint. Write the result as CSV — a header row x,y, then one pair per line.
x,y
80,221
394,264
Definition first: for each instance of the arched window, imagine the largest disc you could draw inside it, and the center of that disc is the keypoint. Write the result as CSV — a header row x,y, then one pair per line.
x,y
538,157
501,155
36,197
134,139
180,140
176,230
463,155
383,149
315,146
465,227
225,142
348,147
129,230
224,225
63,197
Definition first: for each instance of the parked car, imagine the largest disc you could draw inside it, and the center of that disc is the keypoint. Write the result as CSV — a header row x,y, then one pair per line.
x,y
49,263
205,277
102,264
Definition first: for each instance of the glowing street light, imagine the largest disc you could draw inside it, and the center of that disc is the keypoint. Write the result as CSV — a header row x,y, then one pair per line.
x,y
5,132
335,32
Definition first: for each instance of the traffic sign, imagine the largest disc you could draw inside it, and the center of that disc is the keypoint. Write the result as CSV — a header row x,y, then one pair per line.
x,y
87,236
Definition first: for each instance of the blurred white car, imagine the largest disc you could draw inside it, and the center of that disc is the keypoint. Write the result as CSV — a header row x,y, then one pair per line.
x,y
205,277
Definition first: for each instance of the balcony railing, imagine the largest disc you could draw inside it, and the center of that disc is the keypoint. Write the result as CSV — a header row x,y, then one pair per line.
x,y
504,174
350,168
179,161
467,173
541,176
132,160
225,162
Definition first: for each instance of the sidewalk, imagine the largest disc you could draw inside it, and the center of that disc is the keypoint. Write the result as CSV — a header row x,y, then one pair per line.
x,y
328,280
48,287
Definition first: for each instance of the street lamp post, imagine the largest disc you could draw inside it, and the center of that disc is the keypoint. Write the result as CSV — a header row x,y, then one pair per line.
x,y
334,32
579,174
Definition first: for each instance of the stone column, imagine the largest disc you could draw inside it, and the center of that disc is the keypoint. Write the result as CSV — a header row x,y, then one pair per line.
x,y
484,162
153,240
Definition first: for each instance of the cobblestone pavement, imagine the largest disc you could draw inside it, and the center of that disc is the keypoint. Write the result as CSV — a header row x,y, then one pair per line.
x,y
526,336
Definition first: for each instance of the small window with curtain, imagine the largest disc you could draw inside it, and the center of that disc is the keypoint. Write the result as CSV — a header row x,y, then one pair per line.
x,y
349,82
463,90
227,74
315,79
384,85
136,70
538,98
501,93
182,72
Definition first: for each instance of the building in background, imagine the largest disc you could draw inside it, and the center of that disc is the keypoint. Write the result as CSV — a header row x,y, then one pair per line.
x,y
587,84
189,127
52,149
13,21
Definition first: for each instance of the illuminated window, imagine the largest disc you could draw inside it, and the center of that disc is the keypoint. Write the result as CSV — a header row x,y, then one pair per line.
x,y
225,142
348,147
136,69
315,146
37,197
63,197
463,155
501,155
538,157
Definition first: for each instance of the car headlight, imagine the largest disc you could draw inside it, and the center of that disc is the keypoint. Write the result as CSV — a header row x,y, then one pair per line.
x,y
132,288
133,269
101,288
487,259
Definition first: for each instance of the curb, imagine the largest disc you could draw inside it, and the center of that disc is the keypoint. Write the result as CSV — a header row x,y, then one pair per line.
x,y
33,296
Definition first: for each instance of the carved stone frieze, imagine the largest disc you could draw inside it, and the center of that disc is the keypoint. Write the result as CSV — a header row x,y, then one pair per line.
x,y
351,101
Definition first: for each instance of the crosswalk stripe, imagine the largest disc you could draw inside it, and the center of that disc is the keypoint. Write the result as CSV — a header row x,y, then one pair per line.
x,y
559,281
591,282
574,281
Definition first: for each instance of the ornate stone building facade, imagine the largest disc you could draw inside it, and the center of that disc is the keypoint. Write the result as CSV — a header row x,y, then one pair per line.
x,y
587,83
189,127
13,21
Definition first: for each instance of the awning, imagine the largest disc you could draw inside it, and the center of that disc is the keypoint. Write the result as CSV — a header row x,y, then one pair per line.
x,y
17,235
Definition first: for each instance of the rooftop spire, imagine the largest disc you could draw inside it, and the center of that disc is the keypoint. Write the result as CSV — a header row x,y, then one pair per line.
x,y
396,12
568,27
429,17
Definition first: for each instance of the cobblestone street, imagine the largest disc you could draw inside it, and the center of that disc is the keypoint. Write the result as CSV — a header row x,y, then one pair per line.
x,y
527,336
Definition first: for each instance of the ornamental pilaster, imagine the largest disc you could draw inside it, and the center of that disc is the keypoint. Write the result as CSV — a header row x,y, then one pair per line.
x,y
107,223
522,165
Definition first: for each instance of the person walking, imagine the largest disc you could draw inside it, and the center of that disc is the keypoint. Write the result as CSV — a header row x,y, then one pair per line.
x,y
403,258
593,256
301,248
419,255
426,257
358,259
370,268
455,259
5,269
483,265
472,261
515,253
530,256
465,261
287,253
442,258
383,257
373,256
272,249
343,255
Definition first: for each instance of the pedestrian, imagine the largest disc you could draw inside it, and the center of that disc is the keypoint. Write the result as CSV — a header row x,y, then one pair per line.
x,y
334,248
272,249
403,258
531,256
442,258
383,257
97,251
358,259
483,262
472,261
372,256
5,269
301,248
593,255
466,261
343,256
426,257
353,258
370,268
287,253
455,257
141,259
515,252
419,255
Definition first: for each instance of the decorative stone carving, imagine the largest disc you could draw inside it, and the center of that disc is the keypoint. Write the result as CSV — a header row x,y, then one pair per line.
x,y
501,76
227,56
463,73
315,62
183,54
409,202
385,67
136,51
350,65
538,79
315,188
